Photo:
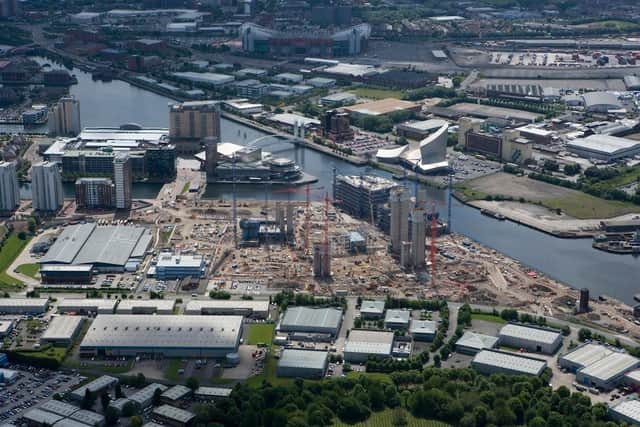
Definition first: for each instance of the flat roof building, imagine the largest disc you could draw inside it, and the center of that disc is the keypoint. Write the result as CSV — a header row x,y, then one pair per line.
x,y
38,417
144,397
499,362
530,338
88,418
362,343
146,306
358,195
423,330
6,326
86,306
473,342
248,308
101,383
170,267
302,363
175,393
166,335
583,355
311,320
372,309
118,404
24,305
604,147
68,422
59,408
608,372
627,411
62,330
397,319
173,416
207,79
212,393
382,107
338,99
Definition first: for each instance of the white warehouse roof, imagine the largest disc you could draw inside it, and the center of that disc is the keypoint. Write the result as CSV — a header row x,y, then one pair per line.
x,y
59,408
62,328
587,354
375,307
512,362
311,317
197,306
629,410
8,304
604,144
128,305
307,359
369,342
540,335
610,366
96,304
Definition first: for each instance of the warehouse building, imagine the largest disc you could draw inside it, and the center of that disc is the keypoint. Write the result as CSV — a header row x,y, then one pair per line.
x,y
601,102
311,320
62,330
59,408
212,393
302,363
39,418
150,306
627,411
173,416
23,305
423,330
583,356
175,393
490,362
473,342
604,147
608,372
632,83
397,319
68,422
144,397
372,309
88,418
6,326
87,306
530,338
118,404
104,382
66,274
364,343
168,336
258,309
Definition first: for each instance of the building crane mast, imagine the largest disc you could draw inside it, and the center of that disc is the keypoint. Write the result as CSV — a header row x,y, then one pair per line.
x,y
433,249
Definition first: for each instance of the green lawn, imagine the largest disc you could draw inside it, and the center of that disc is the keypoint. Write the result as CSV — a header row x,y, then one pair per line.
x,y
171,373
10,251
185,187
371,93
31,270
487,317
385,378
385,419
586,206
261,333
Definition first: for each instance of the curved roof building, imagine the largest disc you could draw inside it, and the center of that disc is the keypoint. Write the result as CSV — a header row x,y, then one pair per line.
x,y
428,155
261,40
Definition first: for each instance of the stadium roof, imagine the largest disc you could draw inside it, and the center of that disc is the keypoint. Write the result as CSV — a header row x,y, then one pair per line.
x,y
397,316
587,354
372,307
604,144
173,413
59,408
163,331
62,327
529,333
610,366
308,359
477,341
312,317
369,342
629,409
510,361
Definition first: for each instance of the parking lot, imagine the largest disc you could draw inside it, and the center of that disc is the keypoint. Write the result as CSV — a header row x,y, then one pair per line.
x,y
33,387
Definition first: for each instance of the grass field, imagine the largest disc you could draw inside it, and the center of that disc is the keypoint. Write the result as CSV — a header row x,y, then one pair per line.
x,y
371,93
586,206
10,251
261,333
30,270
386,418
171,373
268,373
488,318
385,378
185,187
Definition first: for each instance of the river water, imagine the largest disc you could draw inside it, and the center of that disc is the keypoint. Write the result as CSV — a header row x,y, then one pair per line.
x,y
572,261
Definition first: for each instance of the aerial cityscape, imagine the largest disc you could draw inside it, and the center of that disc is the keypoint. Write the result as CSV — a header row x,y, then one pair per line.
x,y
296,213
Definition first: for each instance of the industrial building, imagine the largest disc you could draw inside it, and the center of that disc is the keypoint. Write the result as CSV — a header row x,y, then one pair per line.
x,y
311,320
64,117
531,338
144,397
118,404
397,319
146,306
171,267
95,193
87,306
46,187
38,417
601,102
106,248
604,147
104,382
583,356
302,363
361,344
632,83
212,393
490,362
425,156
372,309
321,43
62,330
258,309
59,408
173,416
360,196
473,342
175,393
88,418
338,99
608,372
627,411
66,274
9,189
423,330
168,336
23,305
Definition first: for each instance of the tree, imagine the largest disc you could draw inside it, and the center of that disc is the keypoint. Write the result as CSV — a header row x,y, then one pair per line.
x,y
111,416
88,400
156,397
399,418
436,361
129,409
104,400
22,235
192,383
584,334
140,380
135,421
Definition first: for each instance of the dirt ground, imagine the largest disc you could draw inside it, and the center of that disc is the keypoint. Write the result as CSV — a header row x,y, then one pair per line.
x,y
516,186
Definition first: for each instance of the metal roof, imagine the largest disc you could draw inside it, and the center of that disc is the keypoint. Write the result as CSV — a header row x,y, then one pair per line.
x,y
41,417
306,359
372,307
119,403
513,362
601,98
196,306
176,392
62,327
633,375
174,413
71,303
68,243
587,354
369,342
213,391
180,261
423,327
26,303
88,417
59,408
629,409
209,78
146,394
95,385
382,106
605,144
311,317
424,125
163,331
68,422
610,366
397,316
528,333
127,305
477,341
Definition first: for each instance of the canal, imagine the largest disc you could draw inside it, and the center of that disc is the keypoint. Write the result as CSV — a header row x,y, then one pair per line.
x,y
571,261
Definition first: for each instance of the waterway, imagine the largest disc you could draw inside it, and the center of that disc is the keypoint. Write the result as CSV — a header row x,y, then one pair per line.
x,y
571,261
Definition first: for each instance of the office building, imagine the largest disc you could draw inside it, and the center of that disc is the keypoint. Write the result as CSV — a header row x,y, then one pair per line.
x,y
423,330
360,196
400,206
397,319
336,126
211,155
9,189
62,330
66,274
418,235
64,117
302,363
311,320
46,187
191,122
490,362
530,338
122,177
362,344
171,267
372,309
163,336
95,193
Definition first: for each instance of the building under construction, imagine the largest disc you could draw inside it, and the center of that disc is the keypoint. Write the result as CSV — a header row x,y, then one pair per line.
x,y
361,196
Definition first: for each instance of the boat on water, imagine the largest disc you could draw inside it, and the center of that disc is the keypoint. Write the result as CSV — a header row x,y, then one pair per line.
x,y
493,214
